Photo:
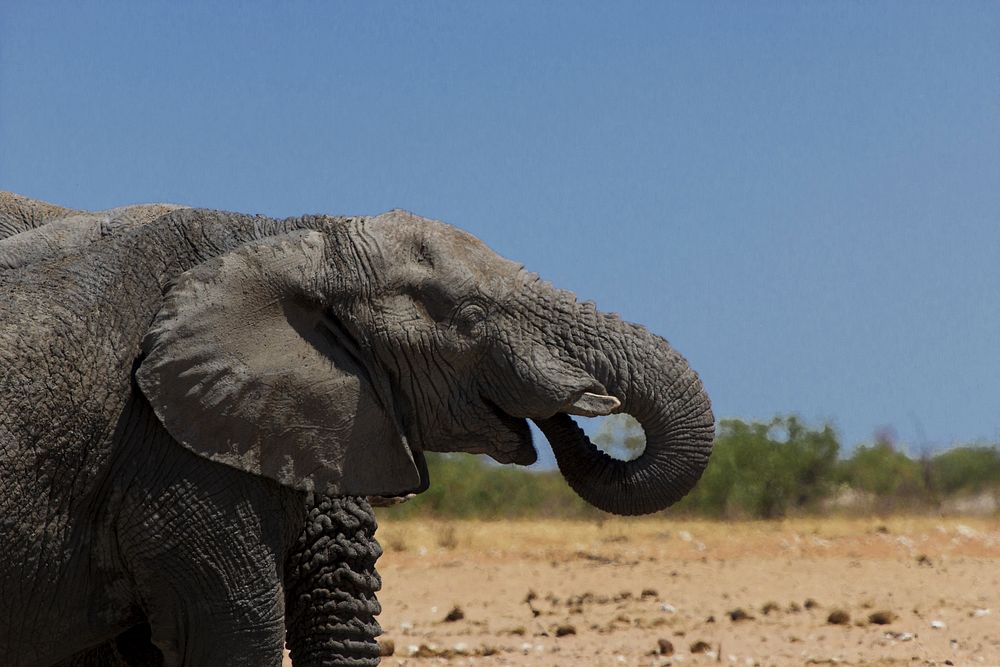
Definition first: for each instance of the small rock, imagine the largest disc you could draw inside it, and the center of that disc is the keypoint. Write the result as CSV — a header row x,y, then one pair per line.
x,y
456,614
980,613
925,560
769,607
884,617
938,625
700,647
838,617
386,646
648,593
565,629
665,647
532,595
810,604
739,614
710,619
668,608
425,651
794,607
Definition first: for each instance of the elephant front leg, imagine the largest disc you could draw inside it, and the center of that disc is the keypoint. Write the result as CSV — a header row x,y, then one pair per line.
x,y
330,586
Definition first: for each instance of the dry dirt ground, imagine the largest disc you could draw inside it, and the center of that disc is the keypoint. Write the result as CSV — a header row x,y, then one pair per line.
x,y
658,592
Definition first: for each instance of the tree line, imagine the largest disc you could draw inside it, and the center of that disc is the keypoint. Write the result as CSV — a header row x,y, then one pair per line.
x,y
758,470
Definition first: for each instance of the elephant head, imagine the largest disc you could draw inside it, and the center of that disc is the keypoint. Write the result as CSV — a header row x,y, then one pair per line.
x,y
331,357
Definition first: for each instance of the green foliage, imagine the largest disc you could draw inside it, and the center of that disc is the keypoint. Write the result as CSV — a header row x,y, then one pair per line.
x,y
757,470
765,470
966,469
465,487
881,470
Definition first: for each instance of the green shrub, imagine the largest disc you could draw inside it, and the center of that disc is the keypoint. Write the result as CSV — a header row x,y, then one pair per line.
x,y
757,470
465,487
966,470
881,470
765,470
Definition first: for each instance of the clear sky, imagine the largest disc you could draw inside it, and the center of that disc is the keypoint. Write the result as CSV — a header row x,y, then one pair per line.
x,y
804,198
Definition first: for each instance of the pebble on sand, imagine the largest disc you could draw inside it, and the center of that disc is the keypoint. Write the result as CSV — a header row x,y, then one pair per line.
x,y
456,614
883,617
565,629
838,617
769,607
739,614
700,647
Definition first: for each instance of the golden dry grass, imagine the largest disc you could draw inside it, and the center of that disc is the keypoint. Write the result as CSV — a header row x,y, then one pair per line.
x,y
544,538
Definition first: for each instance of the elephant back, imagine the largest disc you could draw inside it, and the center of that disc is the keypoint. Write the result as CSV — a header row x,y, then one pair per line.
x,y
32,231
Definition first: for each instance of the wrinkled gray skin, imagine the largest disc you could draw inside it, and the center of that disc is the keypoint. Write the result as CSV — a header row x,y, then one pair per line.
x,y
171,392
330,579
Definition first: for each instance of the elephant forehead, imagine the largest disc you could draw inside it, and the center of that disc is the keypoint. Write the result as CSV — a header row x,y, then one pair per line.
x,y
450,251
461,256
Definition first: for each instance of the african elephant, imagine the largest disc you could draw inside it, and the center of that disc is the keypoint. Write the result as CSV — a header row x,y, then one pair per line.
x,y
171,393
329,580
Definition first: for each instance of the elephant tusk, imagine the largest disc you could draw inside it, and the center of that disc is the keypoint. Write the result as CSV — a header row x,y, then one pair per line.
x,y
593,405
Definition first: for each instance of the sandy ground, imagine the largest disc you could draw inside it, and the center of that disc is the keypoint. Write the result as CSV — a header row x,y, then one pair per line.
x,y
678,593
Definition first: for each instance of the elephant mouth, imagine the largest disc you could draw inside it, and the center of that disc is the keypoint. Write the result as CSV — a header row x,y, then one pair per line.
x,y
515,433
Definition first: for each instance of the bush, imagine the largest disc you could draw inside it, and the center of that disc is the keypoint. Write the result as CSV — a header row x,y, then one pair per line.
x,y
758,470
465,487
894,479
966,470
765,470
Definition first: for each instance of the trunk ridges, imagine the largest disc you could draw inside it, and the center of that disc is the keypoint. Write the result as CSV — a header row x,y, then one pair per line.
x,y
330,607
658,388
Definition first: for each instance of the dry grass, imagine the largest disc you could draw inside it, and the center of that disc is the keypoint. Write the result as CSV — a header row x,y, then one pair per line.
x,y
875,537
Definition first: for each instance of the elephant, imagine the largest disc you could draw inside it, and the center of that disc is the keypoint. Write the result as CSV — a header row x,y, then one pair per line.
x,y
325,625
176,393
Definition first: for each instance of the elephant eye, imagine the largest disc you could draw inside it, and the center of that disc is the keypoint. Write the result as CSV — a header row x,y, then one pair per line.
x,y
471,314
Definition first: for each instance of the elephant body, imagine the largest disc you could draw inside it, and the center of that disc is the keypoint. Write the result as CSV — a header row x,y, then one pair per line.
x,y
191,402
79,499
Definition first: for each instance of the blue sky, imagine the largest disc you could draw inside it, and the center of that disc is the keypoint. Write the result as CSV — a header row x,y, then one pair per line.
x,y
804,198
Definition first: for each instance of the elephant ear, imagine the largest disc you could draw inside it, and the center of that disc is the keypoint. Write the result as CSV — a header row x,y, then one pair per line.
x,y
245,365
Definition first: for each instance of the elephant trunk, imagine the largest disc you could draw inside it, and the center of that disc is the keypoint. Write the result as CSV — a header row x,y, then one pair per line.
x,y
660,390
330,603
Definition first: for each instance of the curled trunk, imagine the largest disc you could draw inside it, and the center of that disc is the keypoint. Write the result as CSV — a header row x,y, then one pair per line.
x,y
660,390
